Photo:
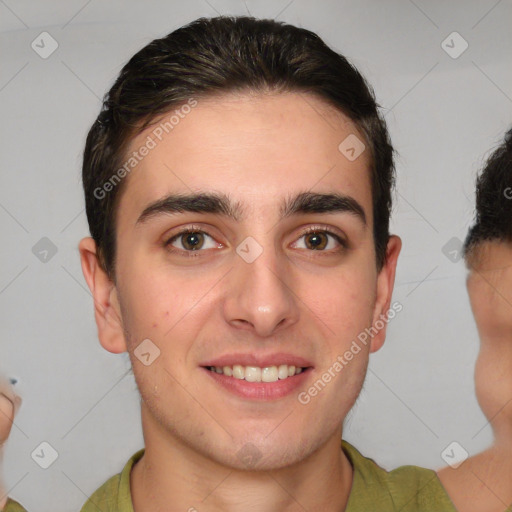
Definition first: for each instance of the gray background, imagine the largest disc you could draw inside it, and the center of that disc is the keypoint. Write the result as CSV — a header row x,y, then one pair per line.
x,y
444,114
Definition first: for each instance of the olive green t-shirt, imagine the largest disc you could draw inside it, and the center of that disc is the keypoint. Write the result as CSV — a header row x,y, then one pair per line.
x,y
405,489
13,506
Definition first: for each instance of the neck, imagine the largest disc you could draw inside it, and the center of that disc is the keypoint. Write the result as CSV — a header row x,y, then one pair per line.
x,y
171,472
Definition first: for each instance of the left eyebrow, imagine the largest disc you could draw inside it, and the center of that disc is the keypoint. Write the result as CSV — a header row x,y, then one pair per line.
x,y
220,204
309,202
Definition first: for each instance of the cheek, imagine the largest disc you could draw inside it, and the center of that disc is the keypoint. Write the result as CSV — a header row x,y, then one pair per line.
x,y
482,298
153,300
343,300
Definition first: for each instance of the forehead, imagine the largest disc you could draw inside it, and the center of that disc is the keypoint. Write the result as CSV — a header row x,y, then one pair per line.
x,y
258,148
491,256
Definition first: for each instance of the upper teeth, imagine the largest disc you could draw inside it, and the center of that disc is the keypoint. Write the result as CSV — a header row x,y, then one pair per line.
x,y
256,374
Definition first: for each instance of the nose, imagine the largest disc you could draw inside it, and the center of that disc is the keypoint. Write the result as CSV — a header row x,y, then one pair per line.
x,y
258,296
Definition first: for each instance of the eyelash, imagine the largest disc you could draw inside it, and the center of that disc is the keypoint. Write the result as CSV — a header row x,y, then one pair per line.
x,y
312,229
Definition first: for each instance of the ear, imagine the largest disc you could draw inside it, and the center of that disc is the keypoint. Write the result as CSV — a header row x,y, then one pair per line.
x,y
104,293
385,284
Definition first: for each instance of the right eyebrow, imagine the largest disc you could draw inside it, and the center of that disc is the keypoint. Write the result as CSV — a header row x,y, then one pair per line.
x,y
196,203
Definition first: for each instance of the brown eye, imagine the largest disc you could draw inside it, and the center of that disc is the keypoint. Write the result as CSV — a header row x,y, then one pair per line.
x,y
192,241
322,240
316,241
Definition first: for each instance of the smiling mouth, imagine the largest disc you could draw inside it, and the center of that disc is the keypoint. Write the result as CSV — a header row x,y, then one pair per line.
x,y
256,373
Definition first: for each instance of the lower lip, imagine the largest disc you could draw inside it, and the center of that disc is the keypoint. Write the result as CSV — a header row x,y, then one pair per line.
x,y
262,391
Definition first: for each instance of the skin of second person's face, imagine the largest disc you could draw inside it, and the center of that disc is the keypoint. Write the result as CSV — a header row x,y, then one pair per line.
x,y
489,284
259,150
6,417
9,404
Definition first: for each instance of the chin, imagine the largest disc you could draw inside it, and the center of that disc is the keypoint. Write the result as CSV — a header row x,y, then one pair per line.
x,y
251,458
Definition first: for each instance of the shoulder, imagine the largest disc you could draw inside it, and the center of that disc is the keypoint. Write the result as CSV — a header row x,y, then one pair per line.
x,y
114,494
476,484
406,488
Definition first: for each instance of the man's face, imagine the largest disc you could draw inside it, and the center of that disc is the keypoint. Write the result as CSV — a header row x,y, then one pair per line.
x,y
257,290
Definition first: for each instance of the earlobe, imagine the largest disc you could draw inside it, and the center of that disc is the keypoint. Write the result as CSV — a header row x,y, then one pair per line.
x,y
385,285
104,293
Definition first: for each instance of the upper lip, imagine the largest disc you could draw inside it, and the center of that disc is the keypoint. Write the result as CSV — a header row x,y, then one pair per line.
x,y
259,360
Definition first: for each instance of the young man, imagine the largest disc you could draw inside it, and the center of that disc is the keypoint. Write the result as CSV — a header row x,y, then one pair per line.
x,y
238,190
484,482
